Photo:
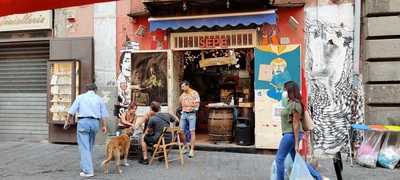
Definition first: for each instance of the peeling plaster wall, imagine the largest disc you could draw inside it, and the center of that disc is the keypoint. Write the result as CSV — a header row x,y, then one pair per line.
x,y
105,55
73,22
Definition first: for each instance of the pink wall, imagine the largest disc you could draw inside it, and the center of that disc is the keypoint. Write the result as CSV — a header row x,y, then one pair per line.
x,y
272,35
128,27
295,36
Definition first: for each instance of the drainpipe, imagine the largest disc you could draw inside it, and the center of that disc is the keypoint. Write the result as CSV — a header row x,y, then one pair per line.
x,y
357,34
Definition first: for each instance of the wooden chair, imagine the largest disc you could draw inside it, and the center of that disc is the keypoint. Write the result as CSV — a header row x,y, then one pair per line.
x,y
162,149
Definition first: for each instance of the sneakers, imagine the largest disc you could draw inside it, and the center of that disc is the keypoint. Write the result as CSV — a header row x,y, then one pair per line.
x,y
324,178
191,154
185,149
125,163
144,161
82,174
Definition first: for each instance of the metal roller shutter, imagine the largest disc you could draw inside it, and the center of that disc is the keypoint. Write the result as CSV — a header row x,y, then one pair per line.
x,y
23,91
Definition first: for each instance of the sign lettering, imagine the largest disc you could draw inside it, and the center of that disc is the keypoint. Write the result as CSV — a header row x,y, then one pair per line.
x,y
29,21
212,42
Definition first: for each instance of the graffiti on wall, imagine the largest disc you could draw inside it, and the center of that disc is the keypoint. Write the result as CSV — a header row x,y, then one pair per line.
x,y
274,65
332,85
124,77
123,82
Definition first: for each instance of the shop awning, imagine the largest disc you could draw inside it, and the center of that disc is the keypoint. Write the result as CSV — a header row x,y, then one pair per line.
x,y
9,7
221,20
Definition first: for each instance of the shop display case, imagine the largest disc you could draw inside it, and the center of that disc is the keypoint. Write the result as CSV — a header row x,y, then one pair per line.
x,y
63,88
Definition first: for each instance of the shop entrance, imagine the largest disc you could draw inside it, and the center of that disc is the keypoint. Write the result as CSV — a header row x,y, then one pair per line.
x,y
224,80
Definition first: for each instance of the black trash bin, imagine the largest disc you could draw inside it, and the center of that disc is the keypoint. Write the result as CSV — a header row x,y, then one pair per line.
x,y
243,134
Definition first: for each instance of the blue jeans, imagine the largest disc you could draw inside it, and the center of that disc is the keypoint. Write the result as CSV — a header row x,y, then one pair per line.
x,y
188,135
286,146
188,124
86,134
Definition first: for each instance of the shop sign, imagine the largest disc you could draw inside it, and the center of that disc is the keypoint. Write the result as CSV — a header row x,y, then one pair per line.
x,y
28,21
218,61
213,42
245,38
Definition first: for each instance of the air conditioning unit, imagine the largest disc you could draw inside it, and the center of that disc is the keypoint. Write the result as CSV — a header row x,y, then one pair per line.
x,y
288,3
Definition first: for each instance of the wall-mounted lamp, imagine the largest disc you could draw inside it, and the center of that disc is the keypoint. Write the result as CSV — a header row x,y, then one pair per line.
x,y
228,4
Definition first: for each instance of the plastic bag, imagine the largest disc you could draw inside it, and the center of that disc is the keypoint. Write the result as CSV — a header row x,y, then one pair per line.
x,y
389,155
288,168
367,153
300,170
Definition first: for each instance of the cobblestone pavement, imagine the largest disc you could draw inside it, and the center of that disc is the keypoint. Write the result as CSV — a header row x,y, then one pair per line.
x,y
42,161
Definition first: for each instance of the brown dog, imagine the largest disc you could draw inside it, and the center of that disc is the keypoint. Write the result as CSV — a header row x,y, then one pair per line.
x,y
118,146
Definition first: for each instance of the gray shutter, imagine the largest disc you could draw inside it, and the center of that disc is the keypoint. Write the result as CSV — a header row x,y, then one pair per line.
x,y
23,90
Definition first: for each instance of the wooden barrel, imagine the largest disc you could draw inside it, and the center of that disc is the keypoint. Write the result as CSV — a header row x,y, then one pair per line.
x,y
220,124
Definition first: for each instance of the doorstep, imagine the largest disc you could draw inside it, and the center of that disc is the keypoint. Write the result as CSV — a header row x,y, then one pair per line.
x,y
226,147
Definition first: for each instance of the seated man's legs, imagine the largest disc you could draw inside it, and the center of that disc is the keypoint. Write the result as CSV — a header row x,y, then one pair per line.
x,y
145,142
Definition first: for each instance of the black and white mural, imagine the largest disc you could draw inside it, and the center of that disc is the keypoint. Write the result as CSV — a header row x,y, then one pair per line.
x,y
335,91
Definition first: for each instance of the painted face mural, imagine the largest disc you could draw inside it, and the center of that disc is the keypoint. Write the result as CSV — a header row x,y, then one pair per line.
x,y
124,79
126,65
329,71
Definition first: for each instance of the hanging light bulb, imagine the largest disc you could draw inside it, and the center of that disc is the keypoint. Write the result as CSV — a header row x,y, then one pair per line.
x,y
231,52
184,6
228,4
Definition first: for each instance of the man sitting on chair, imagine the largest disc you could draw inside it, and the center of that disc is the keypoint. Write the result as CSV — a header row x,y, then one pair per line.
x,y
155,127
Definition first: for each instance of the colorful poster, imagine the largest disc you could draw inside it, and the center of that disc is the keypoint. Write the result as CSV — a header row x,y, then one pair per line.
x,y
274,65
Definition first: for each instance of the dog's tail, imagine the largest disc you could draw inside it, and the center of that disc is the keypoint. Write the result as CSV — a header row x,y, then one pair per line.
x,y
109,155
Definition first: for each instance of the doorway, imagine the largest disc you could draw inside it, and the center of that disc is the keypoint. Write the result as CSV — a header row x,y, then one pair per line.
x,y
221,77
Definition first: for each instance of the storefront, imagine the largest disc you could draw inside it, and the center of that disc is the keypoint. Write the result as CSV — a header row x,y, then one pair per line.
x,y
40,77
24,52
219,66
233,57
217,54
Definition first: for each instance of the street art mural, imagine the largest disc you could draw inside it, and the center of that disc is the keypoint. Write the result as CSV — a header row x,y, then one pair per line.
x,y
273,66
123,82
335,93
124,77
